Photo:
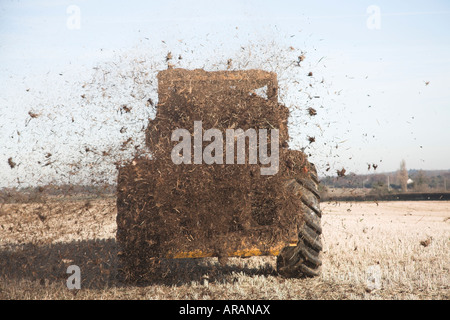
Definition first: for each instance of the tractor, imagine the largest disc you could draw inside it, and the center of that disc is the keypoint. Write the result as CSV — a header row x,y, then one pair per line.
x,y
192,209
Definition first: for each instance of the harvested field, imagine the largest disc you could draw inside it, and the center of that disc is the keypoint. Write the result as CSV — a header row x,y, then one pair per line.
x,y
385,250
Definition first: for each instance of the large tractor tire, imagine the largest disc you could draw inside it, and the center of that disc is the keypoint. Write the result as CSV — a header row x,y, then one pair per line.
x,y
304,259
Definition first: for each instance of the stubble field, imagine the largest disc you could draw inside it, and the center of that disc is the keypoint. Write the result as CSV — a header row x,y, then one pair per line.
x,y
384,250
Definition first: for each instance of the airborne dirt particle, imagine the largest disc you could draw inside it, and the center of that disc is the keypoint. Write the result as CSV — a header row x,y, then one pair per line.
x,y
125,109
341,173
33,114
312,111
299,59
11,163
229,63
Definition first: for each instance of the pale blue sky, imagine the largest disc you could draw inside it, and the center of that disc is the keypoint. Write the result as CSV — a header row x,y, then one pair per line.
x,y
374,103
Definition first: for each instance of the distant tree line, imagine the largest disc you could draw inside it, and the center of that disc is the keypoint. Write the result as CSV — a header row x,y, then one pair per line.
x,y
420,181
39,193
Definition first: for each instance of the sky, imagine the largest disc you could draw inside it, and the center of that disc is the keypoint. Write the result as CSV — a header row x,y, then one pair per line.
x,y
381,72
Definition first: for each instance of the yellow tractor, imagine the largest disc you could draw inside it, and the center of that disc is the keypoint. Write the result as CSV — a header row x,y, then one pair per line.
x,y
191,209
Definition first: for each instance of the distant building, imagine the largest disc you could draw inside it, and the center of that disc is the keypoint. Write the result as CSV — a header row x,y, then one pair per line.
x,y
410,181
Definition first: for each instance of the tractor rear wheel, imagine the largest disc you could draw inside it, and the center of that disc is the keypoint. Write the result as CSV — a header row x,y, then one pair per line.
x,y
304,259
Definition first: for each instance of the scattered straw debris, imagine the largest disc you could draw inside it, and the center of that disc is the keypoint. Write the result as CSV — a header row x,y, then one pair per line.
x,y
426,242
